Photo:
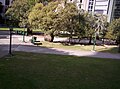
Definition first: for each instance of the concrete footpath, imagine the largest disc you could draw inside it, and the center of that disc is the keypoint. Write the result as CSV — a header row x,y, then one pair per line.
x,y
36,49
18,45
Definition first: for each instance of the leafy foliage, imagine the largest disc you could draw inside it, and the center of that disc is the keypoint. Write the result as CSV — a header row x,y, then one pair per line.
x,y
20,10
96,25
45,17
53,18
114,29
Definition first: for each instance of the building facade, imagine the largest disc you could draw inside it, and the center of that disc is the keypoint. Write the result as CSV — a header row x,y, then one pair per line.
x,y
114,10
97,6
5,4
111,8
93,6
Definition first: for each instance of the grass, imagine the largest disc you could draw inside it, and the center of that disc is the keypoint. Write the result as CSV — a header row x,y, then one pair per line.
x,y
45,71
20,29
110,49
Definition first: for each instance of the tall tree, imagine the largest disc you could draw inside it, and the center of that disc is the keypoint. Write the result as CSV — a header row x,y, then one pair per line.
x,y
90,26
72,20
96,25
114,31
55,17
45,18
19,11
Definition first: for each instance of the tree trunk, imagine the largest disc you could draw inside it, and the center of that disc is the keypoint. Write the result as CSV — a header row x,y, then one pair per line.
x,y
90,41
79,38
103,41
70,38
52,37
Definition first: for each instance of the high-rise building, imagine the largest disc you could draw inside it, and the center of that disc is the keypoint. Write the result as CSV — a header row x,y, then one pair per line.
x,y
93,6
5,4
96,6
114,10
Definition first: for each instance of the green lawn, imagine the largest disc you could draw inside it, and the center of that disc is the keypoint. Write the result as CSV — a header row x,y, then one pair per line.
x,y
110,49
13,29
21,29
43,71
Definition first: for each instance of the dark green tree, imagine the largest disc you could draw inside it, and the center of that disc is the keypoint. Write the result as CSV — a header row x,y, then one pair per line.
x,y
72,20
55,17
45,18
96,25
19,11
114,31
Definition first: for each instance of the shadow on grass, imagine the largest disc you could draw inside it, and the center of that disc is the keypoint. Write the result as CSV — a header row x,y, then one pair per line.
x,y
4,48
37,49
111,50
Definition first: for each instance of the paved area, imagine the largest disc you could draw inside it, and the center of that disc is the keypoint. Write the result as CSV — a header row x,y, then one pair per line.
x,y
18,45
3,53
66,52
4,32
3,37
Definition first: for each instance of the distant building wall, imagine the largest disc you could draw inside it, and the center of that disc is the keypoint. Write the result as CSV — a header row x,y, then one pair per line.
x,y
5,4
101,6
114,10
98,6
110,10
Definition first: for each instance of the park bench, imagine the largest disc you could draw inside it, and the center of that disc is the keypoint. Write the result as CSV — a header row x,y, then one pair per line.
x,y
21,32
35,42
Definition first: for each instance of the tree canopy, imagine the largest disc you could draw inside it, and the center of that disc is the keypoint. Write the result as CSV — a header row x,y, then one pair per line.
x,y
19,11
114,31
51,20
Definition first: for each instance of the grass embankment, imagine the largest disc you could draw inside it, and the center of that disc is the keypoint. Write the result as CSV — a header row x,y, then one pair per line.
x,y
110,49
43,71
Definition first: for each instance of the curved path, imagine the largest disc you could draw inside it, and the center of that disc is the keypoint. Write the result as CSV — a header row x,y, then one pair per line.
x,y
18,45
36,49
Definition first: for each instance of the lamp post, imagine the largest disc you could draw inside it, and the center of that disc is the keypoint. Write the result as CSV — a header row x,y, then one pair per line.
x,y
10,32
24,34
10,46
94,42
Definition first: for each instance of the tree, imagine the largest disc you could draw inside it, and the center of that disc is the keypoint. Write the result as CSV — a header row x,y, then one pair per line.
x,y
96,25
90,26
19,11
114,31
54,17
72,20
45,18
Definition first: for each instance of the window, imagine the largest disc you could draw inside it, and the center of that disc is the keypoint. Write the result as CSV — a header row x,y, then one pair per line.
x,y
99,11
7,2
